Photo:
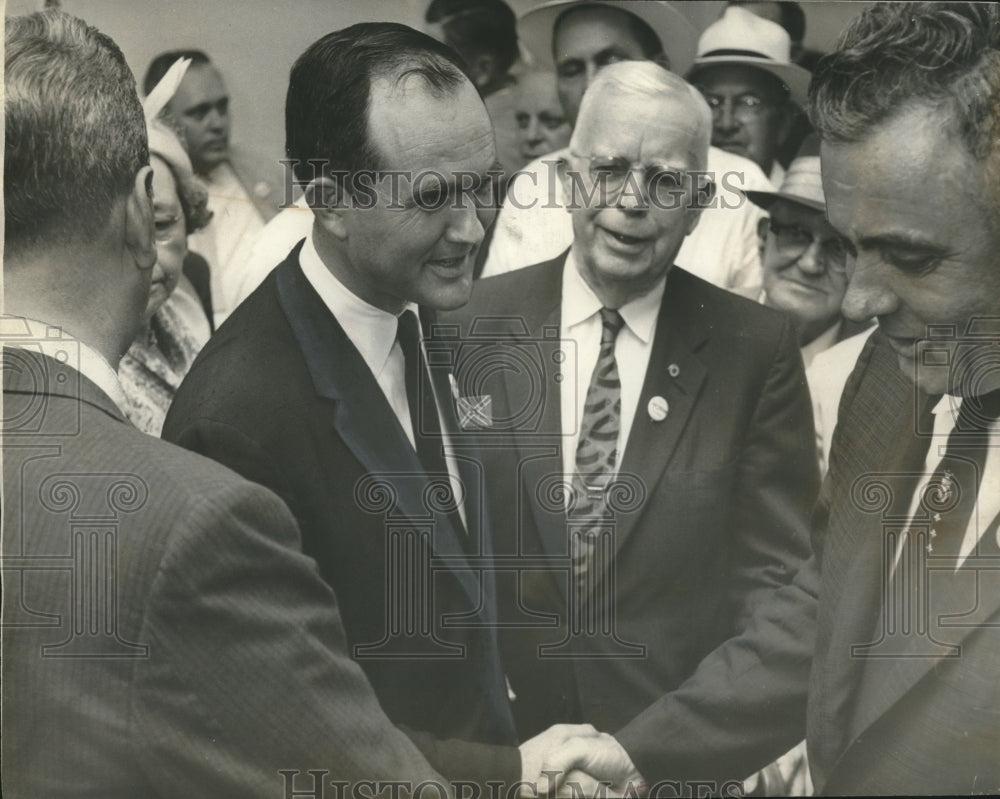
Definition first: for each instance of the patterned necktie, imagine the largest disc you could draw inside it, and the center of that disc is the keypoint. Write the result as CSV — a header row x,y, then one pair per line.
x,y
597,450
950,496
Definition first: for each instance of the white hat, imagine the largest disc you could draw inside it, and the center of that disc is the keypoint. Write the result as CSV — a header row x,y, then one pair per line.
x,y
741,37
803,183
676,34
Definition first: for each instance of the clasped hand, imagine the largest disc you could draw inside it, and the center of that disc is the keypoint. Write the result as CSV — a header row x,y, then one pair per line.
x,y
575,760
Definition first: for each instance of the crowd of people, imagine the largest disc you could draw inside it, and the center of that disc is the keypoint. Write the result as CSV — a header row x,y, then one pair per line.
x,y
614,411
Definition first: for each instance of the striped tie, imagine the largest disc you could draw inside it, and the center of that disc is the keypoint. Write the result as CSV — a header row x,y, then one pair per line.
x,y
597,450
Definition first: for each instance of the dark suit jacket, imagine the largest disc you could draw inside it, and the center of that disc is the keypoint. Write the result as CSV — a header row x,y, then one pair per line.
x,y
919,712
281,396
163,634
722,489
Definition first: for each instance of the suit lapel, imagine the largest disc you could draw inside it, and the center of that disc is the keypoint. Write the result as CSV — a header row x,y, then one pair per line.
x,y
360,413
540,452
878,677
675,374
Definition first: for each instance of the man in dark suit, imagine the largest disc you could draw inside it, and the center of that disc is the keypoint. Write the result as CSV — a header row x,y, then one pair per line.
x,y
318,386
884,650
163,634
706,466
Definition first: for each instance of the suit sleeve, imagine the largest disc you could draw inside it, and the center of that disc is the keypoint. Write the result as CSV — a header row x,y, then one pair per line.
x,y
744,705
776,485
458,760
248,674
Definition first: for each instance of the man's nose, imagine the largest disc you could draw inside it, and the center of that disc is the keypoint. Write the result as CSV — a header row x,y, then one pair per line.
x,y
534,132
868,293
811,260
723,115
465,225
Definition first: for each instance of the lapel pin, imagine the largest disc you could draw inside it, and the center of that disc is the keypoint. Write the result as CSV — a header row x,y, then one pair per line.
x,y
673,370
657,409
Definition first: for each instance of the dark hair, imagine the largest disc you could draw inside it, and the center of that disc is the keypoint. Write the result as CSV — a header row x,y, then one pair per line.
x,y
326,109
75,132
793,18
894,54
478,26
649,42
158,66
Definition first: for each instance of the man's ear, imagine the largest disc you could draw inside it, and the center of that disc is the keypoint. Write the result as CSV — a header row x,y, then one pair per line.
x,y
329,203
762,228
140,239
481,70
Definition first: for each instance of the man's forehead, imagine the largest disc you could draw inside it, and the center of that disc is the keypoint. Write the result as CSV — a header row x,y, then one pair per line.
x,y
638,125
601,24
201,82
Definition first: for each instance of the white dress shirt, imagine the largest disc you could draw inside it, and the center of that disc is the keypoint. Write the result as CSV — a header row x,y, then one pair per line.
x,y
51,340
580,328
373,332
227,241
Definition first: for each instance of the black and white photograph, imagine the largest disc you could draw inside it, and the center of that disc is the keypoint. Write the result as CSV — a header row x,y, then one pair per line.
x,y
500,399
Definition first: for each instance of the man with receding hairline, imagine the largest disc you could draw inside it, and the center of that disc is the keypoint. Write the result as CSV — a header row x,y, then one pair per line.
x,y
651,384
320,385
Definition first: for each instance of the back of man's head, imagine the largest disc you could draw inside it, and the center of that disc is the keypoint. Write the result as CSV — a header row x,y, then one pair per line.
x,y
75,132
159,66
484,32
329,91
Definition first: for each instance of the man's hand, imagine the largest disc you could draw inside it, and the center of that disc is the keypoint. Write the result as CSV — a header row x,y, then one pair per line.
x,y
535,752
580,765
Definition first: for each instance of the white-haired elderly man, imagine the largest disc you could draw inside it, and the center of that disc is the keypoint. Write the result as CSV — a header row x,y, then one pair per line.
x,y
579,39
653,383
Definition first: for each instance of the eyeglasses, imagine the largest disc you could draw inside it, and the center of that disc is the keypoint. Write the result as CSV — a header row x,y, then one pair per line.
x,y
792,241
664,185
743,107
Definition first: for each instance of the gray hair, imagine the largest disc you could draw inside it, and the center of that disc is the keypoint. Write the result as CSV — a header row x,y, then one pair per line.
x,y
75,132
646,80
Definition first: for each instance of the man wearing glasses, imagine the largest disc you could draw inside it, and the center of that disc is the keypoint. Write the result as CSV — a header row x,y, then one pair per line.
x,y
804,258
744,70
657,466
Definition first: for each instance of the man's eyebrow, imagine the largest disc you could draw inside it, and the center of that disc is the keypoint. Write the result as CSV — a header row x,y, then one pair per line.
x,y
901,241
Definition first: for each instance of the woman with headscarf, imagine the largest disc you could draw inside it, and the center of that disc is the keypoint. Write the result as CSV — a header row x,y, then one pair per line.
x,y
175,323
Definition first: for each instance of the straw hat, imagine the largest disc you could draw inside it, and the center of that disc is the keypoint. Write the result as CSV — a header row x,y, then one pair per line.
x,y
744,39
803,183
676,34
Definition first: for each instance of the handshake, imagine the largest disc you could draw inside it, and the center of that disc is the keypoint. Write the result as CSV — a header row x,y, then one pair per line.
x,y
575,760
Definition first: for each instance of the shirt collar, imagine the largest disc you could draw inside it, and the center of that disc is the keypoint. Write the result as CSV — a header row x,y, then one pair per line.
x,y
51,340
370,329
580,303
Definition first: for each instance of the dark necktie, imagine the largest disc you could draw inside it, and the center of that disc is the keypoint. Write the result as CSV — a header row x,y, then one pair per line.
x,y
950,496
420,397
597,449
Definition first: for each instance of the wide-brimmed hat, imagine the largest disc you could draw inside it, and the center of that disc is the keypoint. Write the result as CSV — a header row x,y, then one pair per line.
x,y
803,183
676,33
742,38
